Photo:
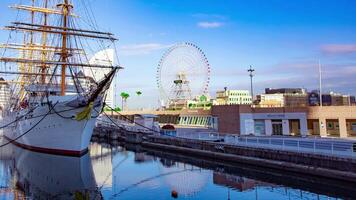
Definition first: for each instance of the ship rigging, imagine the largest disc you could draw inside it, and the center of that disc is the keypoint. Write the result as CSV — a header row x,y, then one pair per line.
x,y
45,65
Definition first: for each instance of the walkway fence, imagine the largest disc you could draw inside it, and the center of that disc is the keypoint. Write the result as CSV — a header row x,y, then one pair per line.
x,y
324,146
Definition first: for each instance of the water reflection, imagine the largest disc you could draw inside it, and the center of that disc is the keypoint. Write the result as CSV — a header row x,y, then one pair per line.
x,y
141,173
133,172
43,176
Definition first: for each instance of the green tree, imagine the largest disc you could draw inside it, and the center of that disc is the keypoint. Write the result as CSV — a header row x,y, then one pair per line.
x,y
124,97
139,93
203,98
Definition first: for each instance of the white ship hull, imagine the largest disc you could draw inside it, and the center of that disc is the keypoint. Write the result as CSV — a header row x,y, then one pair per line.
x,y
57,132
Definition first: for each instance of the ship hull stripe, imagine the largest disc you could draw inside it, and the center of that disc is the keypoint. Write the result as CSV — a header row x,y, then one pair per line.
x,y
50,151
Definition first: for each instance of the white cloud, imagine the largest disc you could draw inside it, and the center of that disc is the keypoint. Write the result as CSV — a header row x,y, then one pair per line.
x,y
210,24
141,49
339,48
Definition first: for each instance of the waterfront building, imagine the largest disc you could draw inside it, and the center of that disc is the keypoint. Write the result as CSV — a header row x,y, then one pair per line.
x,y
200,102
233,97
283,97
196,118
326,121
146,120
270,100
332,121
331,99
249,120
340,99
285,91
184,117
282,100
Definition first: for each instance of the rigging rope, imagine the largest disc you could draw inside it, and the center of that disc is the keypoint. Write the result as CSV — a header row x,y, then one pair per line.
x,y
132,121
17,119
13,140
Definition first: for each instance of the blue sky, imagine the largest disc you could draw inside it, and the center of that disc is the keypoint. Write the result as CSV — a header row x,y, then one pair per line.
x,y
283,40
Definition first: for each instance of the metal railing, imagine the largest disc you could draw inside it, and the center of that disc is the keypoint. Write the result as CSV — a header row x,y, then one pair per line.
x,y
305,145
323,146
210,136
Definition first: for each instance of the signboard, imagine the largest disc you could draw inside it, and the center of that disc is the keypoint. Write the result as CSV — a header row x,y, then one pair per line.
x,y
313,99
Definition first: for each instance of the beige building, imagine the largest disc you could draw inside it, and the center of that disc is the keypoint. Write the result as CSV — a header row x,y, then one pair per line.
x,y
332,121
326,121
233,97
270,100
282,100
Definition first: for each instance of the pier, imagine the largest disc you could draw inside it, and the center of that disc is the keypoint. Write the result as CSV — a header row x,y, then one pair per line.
x,y
327,158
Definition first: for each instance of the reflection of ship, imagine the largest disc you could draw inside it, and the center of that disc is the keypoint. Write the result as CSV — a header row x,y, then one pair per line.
x,y
54,102
44,176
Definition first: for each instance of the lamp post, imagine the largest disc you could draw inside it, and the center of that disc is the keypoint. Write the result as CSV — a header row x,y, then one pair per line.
x,y
320,89
250,71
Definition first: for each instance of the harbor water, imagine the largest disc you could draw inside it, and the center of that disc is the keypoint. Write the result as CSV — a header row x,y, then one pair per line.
x,y
122,171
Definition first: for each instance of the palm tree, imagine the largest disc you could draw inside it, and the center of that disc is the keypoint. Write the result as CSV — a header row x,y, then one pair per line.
x,y
124,97
139,93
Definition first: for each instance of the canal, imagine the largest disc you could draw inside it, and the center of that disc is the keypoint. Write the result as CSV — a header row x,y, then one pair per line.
x,y
123,171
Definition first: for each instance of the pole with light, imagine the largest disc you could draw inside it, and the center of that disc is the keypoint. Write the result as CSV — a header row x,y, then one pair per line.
x,y
251,74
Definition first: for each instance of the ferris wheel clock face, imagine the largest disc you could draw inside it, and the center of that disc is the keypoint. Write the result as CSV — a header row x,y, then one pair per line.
x,y
183,73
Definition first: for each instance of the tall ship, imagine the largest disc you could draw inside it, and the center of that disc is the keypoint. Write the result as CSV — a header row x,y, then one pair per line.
x,y
53,95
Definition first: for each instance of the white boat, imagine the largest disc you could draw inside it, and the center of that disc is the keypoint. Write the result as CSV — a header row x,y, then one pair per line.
x,y
53,102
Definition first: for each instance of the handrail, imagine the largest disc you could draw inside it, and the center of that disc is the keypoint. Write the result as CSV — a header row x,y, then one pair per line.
x,y
323,146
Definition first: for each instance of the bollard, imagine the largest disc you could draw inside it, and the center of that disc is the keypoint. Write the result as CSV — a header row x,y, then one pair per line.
x,y
174,194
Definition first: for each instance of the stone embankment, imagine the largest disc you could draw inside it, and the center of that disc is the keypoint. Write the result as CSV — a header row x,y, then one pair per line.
x,y
326,166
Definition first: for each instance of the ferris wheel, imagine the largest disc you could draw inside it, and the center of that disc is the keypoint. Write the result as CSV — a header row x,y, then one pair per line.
x,y
183,73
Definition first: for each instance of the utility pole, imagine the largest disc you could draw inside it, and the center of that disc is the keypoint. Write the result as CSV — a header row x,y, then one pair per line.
x,y
320,90
251,77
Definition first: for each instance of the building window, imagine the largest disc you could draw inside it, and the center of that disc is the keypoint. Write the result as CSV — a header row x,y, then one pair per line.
x,y
330,125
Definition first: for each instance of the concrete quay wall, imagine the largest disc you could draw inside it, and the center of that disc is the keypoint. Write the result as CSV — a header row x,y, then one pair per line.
x,y
316,165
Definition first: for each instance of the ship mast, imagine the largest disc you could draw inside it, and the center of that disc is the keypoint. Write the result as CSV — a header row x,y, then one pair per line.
x,y
44,42
64,55
40,57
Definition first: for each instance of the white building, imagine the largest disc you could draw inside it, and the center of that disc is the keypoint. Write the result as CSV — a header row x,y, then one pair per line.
x,y
270,123
105,57
271,100
233,97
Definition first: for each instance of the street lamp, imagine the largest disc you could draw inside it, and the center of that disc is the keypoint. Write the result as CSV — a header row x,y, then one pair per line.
x,y
251,70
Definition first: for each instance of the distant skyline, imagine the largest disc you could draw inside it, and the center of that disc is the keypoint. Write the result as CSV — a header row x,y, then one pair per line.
x,y
282,40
